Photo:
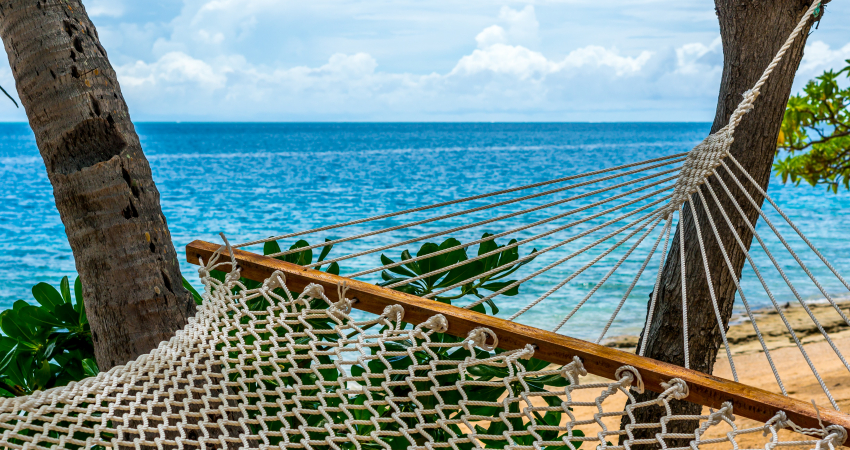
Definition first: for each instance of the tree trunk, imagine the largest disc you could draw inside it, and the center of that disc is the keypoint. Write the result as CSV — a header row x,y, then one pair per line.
x,y
102,183
752,32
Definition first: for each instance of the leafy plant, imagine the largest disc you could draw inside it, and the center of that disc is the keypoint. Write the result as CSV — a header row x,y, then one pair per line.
x,y
815,134
505,260
47,345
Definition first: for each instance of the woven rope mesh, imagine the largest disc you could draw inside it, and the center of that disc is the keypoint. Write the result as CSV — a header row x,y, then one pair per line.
x,y
266,368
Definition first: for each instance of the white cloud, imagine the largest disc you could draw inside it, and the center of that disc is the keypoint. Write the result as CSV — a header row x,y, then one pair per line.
x,y
596,56
522,25
696,57
491,35
495,79
108,8
818,57
512,60
345,60
174,68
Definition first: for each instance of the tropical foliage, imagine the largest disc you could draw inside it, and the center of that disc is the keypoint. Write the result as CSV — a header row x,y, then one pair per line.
x,y
814,141
46,345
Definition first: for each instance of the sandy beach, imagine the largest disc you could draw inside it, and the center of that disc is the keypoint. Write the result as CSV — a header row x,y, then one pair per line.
x,y
753,367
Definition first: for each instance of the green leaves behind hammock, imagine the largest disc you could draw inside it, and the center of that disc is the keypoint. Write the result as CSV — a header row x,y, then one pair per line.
x,y
301,258
504,260
47,345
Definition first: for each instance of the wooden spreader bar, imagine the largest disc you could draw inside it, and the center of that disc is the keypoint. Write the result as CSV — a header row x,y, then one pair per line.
x,y
599,360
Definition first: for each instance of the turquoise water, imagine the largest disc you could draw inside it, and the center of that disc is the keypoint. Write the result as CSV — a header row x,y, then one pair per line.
x,y
256,180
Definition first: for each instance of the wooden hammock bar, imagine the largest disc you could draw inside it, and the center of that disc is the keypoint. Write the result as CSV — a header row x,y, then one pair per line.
x,y
599,360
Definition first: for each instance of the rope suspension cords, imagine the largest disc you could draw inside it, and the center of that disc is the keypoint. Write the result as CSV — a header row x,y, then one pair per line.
x,y
472,339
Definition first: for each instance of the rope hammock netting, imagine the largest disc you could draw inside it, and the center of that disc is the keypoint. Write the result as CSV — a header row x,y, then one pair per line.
x,y
277,357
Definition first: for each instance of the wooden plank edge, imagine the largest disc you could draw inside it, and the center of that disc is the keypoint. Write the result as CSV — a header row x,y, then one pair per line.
x,y
708,390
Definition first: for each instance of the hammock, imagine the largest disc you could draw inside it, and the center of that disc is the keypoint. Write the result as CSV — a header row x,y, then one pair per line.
x,y
282,354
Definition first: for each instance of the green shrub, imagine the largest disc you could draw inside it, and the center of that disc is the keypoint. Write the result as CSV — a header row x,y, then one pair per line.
x,y
47,345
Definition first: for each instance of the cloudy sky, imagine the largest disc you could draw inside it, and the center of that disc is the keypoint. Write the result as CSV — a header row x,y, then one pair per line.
x,y
435,60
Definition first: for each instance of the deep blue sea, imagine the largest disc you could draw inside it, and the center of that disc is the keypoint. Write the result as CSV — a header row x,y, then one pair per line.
x,y
256,180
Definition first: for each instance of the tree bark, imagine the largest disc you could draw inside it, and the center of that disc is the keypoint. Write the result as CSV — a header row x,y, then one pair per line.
x,y
752,32
101,180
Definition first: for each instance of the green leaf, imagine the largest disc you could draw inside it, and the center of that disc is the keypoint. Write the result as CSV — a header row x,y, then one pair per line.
x,y
13,326
41,316
325,250
398,269
270,248
90,367
41,374
67,314
333,268
78,292
501,284
195,294
47,296
65,289
301,258
7,343
10,355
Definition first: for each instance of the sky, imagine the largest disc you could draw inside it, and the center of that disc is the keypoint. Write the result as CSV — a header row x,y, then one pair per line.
x,y
414,60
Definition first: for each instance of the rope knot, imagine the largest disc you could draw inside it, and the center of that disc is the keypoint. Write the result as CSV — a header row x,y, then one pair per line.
x,y
394,312
342,307
340,310
836,437
677,388
630,377
233,276
437,324
479,337
527,352
726,412
313,290
574,370
781,420
275,281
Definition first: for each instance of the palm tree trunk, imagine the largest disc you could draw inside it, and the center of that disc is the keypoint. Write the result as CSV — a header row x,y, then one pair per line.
x,y
101,180
752,32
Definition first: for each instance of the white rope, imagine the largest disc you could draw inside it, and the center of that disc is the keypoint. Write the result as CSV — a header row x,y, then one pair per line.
x,y
521,242
516,230
607,275
535,254
767,290
799,233
635,280
738,288
495,205
581,270
483,222
656,288
710,283
647,217
784,275
462,200
684,282
790,250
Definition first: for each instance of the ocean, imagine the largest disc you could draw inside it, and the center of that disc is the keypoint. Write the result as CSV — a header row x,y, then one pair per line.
x,y
253,180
